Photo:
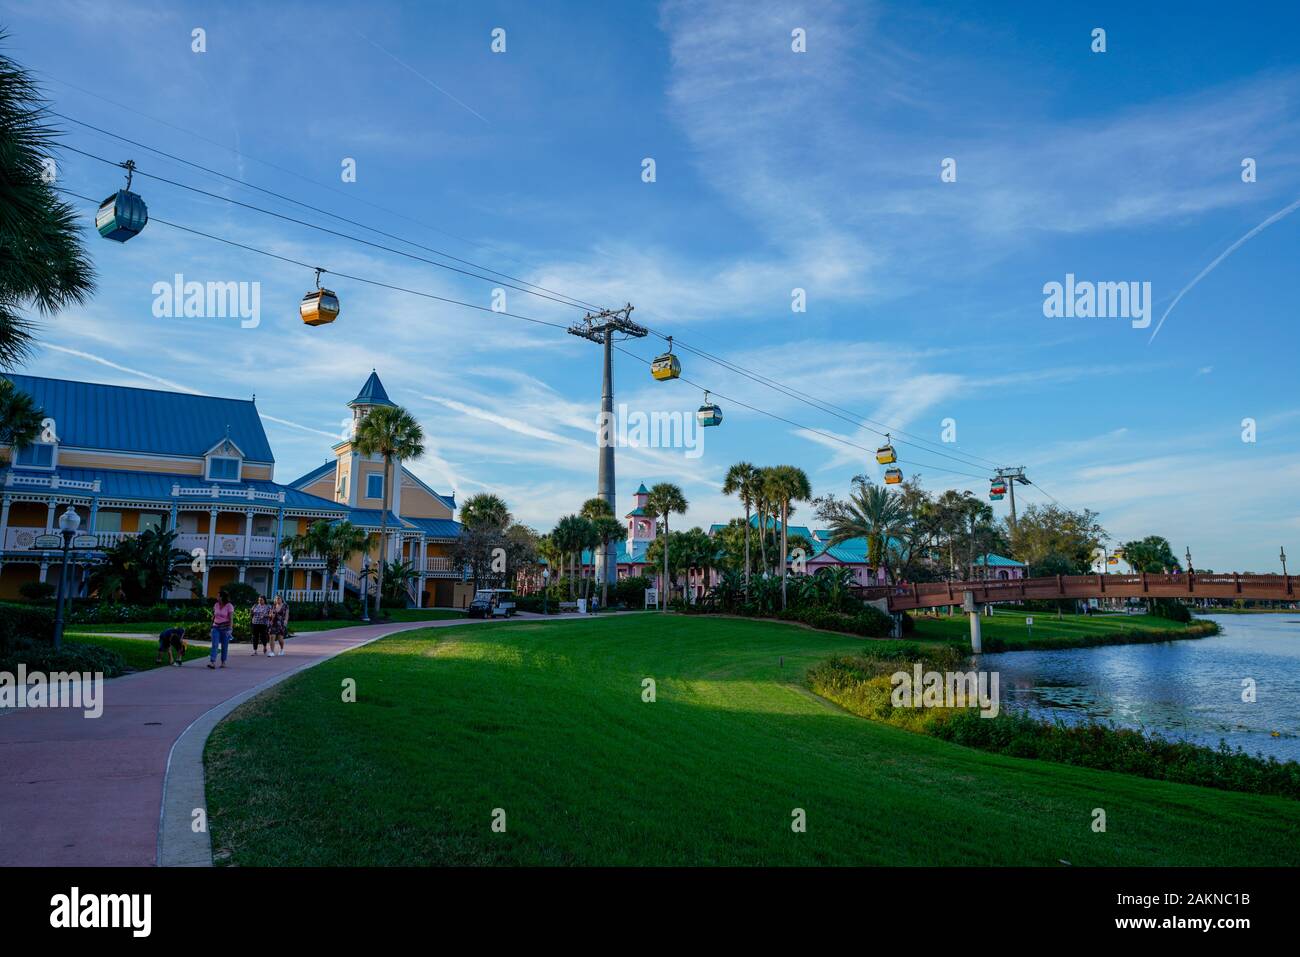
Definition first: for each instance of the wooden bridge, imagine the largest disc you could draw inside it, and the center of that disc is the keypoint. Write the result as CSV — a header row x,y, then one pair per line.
x,y
1193,586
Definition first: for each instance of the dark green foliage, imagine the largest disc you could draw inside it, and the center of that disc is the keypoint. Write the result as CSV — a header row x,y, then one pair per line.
x,y
241,594
72,656
23,622
140,568
37,591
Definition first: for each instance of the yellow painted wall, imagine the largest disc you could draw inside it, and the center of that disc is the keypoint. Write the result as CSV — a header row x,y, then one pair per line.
x,y
366,469
417,503
322,488
219,577
27,515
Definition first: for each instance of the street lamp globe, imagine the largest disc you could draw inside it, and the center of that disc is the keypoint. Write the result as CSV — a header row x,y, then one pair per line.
x,y
69,521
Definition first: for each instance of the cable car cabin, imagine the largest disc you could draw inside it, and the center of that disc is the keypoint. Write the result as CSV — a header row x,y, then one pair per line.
x,y
709,414
893,476
121,216
318,307
885,454
996,496
666,366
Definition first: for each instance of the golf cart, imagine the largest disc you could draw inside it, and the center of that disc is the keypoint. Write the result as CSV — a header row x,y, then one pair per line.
x,y
491,603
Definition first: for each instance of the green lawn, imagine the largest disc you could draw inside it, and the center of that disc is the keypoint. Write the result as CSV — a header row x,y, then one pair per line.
x,y
1048,631
545,720
139,655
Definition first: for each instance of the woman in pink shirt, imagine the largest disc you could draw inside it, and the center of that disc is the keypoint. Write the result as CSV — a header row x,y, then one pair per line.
x,y
223,623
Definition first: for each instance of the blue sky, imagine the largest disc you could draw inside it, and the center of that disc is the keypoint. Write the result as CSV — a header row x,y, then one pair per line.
x,y
774,171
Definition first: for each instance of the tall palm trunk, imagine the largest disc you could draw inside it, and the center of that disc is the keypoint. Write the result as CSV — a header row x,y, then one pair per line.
x,y
784,508
761,507
746,550
665,598
383,535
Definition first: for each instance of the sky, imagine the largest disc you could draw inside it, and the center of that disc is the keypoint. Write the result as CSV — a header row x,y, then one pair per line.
x,y
775,170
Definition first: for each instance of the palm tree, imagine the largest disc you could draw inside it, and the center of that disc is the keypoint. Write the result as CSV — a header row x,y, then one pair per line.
x,y
141,568
393,433
570,537
870,512
761,506
742,480
485,510
782,485
594,509
44,264
20,419
664,499
608,530
335,543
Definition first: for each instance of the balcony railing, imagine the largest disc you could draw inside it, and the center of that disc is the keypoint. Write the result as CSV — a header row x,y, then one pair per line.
x,y
21,539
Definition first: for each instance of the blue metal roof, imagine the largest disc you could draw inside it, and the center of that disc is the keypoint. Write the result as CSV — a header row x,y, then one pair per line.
x,y
92,415
373,516
996,561
436,527
372,393
157,487
314,474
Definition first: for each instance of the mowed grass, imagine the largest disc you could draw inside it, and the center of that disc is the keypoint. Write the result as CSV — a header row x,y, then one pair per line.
x,y
139,654
546,722
1047,630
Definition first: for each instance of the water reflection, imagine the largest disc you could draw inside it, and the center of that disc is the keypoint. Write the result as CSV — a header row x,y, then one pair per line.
x,y
1183,689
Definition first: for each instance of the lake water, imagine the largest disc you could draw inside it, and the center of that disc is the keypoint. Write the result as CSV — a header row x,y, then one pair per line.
x,y
1190,690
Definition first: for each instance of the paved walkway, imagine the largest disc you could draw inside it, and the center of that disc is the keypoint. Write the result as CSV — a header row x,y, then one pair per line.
x,y
88,792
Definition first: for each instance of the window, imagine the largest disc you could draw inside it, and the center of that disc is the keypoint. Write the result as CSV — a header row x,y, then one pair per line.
x,y
222,468
108,522
342,490
375,485
150,520
39,455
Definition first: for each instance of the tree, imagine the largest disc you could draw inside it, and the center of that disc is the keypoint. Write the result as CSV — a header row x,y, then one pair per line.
x,y
872,513
482,546
485,510
334,542
390,432
521,545
666,499
1152,554
42,262
1044,530
608,530
570,536
396,576
742,480
140,568
782,485
20,419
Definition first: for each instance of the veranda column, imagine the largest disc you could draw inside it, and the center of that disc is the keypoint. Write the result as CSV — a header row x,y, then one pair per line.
x,y
50,506
4,521
248,533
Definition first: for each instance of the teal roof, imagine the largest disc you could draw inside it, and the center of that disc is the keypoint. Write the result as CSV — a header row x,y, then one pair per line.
x,y
638,511
999,561
642,490
91,415
372,393
773,524
622,556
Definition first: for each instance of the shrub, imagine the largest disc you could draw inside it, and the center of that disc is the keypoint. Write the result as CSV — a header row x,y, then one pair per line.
x,y
241,594
37,591
630,591
23,622
71,656
1172,609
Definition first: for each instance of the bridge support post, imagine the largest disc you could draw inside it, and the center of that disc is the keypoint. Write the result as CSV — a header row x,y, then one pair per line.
x,y
973,613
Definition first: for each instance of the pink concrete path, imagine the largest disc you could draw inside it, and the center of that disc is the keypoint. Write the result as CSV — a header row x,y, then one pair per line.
x,y
88,792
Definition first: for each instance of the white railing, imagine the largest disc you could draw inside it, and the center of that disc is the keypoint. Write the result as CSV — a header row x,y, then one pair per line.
x,y
303,594
13,478
440,567
216,491
19,538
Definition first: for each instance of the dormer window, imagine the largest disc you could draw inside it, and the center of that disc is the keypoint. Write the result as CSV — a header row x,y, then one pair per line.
x,y
223,468
38,455
225,462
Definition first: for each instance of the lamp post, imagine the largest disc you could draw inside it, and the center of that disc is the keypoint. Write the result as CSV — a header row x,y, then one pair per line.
x,y
1188,554
546,577
286,565
69,522
365,588
1282,555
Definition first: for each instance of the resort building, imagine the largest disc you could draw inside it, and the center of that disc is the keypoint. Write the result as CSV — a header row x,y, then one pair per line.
x,y
997,567
128,459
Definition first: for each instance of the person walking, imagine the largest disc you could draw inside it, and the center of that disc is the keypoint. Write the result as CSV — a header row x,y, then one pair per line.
x,y
261,619
223,623
279,625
